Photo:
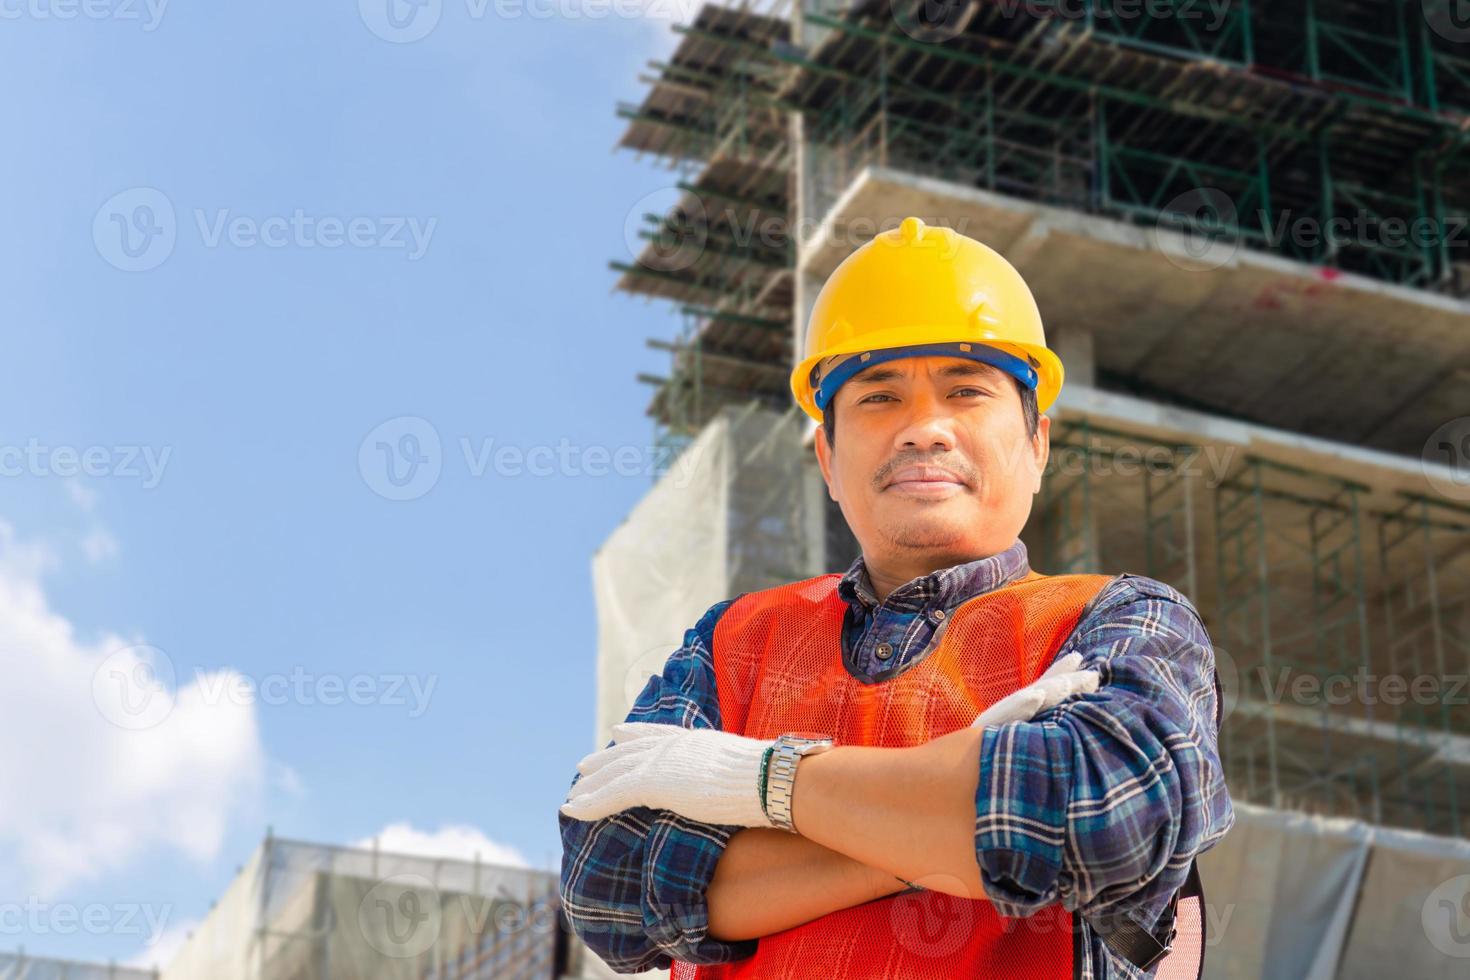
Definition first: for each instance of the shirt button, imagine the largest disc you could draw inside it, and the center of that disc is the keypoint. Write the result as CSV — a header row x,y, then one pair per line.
x,y
884,651
937,615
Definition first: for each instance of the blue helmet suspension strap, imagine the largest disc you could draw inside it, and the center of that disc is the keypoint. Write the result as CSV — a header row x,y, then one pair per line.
x,y
1016,367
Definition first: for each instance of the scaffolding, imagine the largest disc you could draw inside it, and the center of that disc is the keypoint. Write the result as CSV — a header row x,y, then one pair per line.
x,y
1327,598
723,254
301,911
1331,134
1348,117
19,966
1331,138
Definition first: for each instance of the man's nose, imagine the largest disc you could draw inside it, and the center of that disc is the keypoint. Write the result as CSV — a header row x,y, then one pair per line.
x,y
928,427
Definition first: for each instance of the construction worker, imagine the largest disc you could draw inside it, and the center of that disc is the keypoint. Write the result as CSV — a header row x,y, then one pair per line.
x,y
940,763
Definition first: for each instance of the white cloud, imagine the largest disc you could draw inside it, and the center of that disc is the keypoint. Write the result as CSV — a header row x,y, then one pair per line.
x,y
450,841
99,545
287,780
81,494
24,559
89,792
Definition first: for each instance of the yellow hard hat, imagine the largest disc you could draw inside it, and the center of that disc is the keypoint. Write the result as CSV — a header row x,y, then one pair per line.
x,y
918,290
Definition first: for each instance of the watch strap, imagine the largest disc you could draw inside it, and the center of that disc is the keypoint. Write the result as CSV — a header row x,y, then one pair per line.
x,y
785,754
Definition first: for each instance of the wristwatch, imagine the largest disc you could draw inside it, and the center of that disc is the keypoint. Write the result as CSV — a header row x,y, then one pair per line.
x,y
781,779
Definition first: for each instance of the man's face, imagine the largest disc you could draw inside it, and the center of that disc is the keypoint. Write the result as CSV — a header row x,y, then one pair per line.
x,y
932,459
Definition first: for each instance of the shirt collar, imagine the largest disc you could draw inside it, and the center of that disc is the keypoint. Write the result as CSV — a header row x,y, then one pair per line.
x,y
943,588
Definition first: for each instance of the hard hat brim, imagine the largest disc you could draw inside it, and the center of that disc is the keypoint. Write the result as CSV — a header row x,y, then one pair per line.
x,y
1048,366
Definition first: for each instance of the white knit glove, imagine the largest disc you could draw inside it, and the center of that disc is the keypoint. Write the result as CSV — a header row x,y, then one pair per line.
x,y
714,776
703,773
1060,681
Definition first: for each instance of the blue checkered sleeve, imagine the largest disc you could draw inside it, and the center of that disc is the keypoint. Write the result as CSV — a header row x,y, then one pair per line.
x,y
1103,801
633,883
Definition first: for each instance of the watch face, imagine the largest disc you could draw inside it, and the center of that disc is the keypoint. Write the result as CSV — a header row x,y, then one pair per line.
x,y
813,736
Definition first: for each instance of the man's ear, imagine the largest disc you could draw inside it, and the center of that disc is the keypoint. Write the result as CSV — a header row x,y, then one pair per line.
x,y
1041,449
824,457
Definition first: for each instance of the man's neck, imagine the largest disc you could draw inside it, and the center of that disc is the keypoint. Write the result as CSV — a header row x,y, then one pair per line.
x,y
887,576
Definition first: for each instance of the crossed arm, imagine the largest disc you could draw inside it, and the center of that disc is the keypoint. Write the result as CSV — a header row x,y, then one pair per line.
x,y
769,880
1102,800
864,817
645,886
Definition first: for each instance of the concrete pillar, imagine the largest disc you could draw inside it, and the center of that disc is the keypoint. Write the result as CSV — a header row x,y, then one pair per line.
x,y
1074,346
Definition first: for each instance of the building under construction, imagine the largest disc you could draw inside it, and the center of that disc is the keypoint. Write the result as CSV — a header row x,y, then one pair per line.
x,y
1245,226
304,911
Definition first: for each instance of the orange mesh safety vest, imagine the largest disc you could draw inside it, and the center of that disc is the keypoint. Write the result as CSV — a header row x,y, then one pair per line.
x,y
779,668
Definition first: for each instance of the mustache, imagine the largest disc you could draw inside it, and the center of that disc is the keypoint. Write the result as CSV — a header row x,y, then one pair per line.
x,y
954,464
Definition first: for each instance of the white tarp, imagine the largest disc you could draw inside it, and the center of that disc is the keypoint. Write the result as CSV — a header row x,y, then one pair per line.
x,y
1279,894
19,966
658,572
1413,919
739,509
1291,896
302,911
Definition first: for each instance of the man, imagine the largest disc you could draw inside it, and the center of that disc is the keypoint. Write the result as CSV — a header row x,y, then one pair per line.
x,y
941,763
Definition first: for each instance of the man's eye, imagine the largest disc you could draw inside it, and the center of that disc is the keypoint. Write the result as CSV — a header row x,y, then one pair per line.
x,y
970,391
878,395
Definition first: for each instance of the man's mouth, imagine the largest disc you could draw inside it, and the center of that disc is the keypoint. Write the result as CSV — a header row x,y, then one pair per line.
x,y
926,480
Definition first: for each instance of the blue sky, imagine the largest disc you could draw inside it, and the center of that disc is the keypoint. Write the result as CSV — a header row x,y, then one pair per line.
x,y
228,523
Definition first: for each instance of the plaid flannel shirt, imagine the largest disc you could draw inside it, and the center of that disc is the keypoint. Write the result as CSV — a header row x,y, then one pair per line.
x,y
1099,803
